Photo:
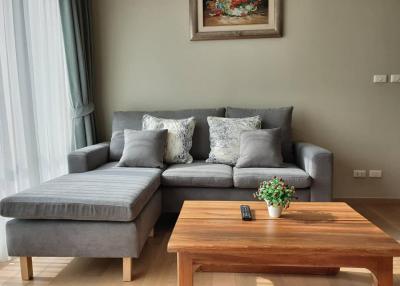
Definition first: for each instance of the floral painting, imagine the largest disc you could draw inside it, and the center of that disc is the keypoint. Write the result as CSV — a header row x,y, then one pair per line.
x,y
235,19
235,12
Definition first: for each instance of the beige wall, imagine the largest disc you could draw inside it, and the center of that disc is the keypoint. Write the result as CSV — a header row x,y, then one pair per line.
x,y
323,66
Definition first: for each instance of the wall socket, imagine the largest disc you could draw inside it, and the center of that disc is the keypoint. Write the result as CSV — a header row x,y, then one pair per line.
x,y
395,78
380,78
359,173
375,173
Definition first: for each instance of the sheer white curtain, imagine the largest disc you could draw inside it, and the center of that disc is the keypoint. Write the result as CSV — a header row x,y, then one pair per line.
x,y
35,120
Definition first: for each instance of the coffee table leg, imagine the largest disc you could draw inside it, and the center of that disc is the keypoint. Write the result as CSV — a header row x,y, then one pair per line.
x,y
384,271
185,270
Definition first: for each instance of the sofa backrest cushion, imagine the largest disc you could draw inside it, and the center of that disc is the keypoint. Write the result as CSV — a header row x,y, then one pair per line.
x,y
271,118
201,137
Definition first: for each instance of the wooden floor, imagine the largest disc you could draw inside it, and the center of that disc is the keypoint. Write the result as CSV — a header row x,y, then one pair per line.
x,y
157,267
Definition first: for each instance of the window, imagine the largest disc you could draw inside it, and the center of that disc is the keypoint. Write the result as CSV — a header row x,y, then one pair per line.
x,y
35,115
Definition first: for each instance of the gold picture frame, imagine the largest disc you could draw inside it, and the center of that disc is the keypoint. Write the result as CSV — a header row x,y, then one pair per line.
x,y
207,22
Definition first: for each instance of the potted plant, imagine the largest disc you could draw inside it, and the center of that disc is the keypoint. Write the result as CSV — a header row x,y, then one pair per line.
x,y
276,194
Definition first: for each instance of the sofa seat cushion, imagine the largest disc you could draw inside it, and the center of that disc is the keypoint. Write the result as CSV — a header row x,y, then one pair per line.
x,y
108,194
198,174
252,177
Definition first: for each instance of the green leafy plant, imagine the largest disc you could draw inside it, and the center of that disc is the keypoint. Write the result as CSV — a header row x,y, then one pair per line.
x,y
275,192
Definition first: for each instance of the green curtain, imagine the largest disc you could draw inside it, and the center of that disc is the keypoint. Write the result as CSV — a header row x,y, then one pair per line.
x,y
76,25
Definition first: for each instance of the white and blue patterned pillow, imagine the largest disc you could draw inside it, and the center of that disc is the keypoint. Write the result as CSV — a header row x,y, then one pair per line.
x,y
225,137
179,139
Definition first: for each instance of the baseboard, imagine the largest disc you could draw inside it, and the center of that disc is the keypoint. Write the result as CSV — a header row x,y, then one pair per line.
x,y
367,200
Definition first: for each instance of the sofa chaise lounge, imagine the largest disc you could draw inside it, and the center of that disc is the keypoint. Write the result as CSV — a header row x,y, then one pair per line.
x,y
100,210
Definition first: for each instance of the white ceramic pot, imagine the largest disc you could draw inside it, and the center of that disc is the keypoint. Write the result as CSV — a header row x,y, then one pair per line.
x,y
274,212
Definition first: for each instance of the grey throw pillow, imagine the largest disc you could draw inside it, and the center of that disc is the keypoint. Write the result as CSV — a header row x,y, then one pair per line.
x,y
143,148
260,149
225,137
179,140
116,145
271,118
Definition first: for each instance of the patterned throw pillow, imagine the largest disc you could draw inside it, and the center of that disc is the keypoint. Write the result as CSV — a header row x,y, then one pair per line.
x,y
225,137
179,139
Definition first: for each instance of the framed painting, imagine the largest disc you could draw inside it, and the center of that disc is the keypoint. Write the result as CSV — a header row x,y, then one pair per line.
x,y
235,19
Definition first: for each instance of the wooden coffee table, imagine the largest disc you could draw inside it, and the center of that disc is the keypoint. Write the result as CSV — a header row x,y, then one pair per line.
x,y
313,238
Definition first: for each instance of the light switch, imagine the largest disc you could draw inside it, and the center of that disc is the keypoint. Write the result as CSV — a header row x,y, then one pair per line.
x,y
380,78
395,78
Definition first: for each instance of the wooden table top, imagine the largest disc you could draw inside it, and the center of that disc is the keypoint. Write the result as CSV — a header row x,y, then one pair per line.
x,y
305,228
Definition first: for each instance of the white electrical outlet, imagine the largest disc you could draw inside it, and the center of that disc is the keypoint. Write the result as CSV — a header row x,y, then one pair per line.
x,y
380,78
395,78
375,173
359,173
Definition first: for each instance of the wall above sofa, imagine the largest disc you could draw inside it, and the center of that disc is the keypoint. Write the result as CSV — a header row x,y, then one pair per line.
x,y
323,66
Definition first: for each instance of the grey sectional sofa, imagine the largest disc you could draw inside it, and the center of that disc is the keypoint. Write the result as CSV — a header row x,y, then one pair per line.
x,y
100,210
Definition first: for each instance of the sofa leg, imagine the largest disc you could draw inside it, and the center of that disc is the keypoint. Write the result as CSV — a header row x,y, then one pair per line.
x,y
127,273
26,267
151,234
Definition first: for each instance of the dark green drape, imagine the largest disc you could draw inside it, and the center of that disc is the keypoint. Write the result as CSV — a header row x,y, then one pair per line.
x,y
76,26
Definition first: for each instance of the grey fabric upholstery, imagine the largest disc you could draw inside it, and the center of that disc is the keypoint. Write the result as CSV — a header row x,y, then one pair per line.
x,y
100,210
318,163
108,194
173,197
252,177
198,174
271,118
117,145
201,145
60,238
144,148
88,158
260,149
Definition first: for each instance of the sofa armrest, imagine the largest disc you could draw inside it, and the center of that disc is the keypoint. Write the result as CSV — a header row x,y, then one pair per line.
x,y
318,163
88,158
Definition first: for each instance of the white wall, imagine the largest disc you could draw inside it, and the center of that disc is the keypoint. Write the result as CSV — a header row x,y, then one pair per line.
x,y
323,66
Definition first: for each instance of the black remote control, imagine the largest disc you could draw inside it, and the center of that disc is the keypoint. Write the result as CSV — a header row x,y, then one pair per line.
x,y
246,212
